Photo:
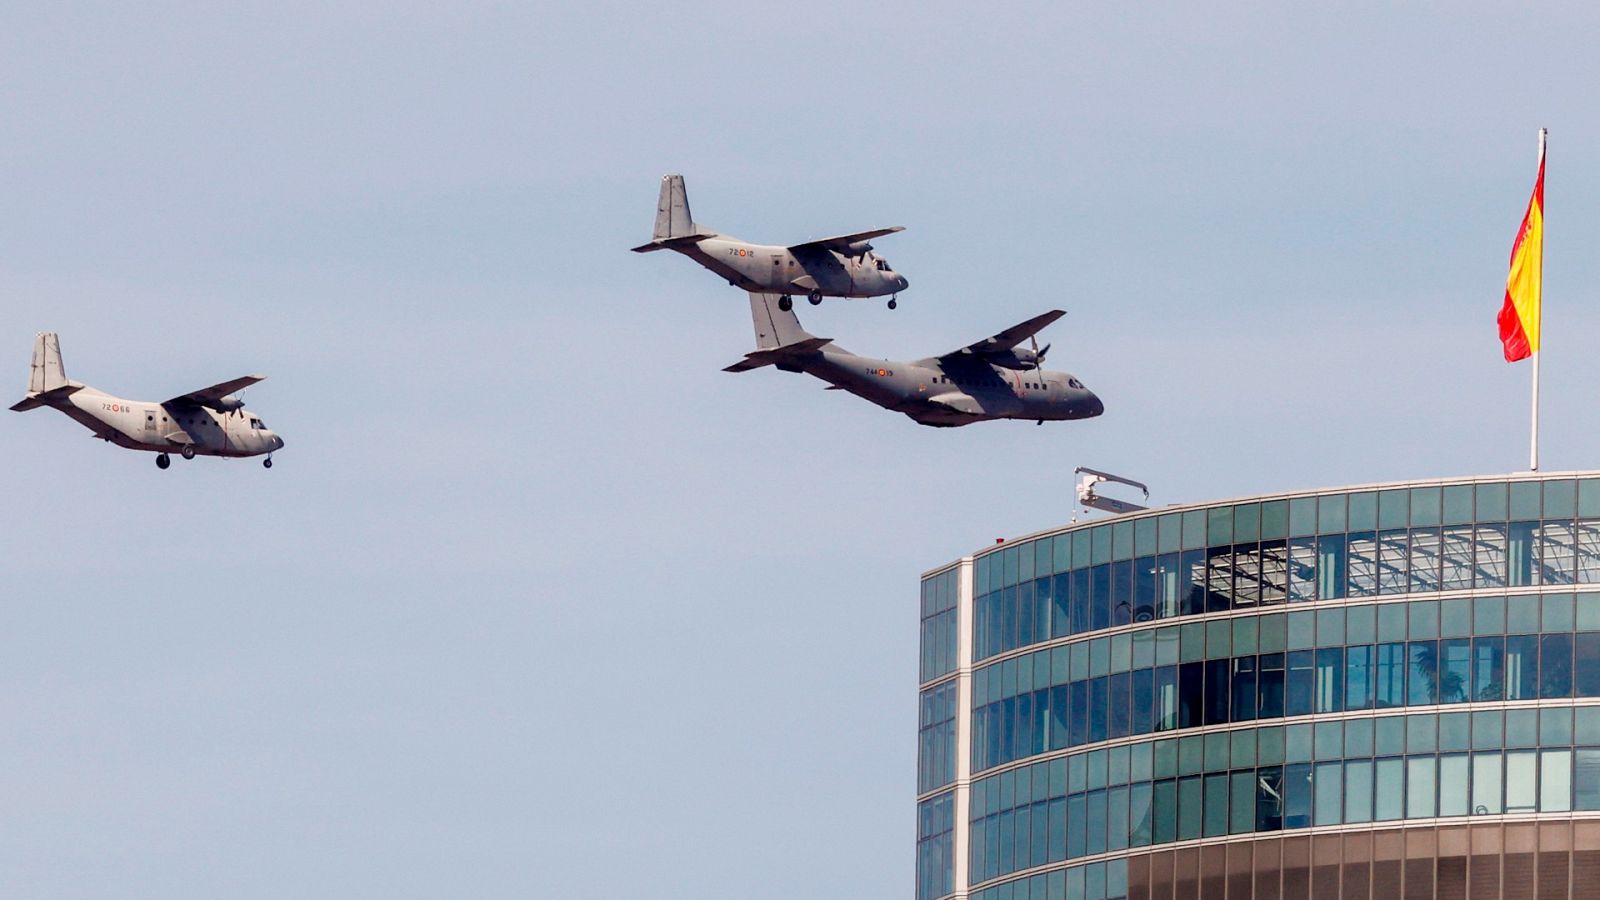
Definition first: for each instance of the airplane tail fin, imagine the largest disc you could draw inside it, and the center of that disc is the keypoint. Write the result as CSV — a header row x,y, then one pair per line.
x,y
778,335
674,224
46,374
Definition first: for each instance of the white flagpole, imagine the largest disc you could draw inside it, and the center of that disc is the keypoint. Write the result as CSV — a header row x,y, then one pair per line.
x,y
1533,453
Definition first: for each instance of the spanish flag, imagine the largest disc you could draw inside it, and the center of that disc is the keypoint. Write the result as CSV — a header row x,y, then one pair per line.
x,y
1519,317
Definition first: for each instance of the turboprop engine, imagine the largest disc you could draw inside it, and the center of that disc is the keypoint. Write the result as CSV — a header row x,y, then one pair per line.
x,y
855,249
227,403
1019,358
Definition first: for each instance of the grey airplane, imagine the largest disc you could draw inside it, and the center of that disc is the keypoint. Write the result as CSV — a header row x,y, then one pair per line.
x,y
995,378
843,266
207,422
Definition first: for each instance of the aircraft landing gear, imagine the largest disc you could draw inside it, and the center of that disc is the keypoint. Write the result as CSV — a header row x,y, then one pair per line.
x,y
163,460
785,304
815,297
187,451
266,463
893,302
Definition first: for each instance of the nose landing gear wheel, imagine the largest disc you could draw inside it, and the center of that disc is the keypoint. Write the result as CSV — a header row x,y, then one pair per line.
x,y
187,451
163,460
815,297
893,303
266,463
785,304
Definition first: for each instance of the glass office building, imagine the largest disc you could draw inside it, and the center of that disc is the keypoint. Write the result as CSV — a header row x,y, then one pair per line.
x,y
1390,691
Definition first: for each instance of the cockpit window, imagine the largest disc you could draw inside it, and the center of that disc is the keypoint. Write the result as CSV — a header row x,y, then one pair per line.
x,y
256,424
1075,383
883,266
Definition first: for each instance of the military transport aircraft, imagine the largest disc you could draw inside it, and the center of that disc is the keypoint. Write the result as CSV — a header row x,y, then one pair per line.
x,y
210,422
842,266
992,379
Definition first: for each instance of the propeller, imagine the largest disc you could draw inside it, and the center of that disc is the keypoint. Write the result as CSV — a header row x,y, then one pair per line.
x,y
1038,355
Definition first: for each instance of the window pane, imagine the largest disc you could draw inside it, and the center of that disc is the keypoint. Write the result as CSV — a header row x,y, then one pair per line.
x,y
1363,565
1329,791
1453,785
1491,556
1555,781
1486,799
1242,802
1419,787
1330,512
1588,552
1521,781
1455,550
1358,791
1586,779
1390,800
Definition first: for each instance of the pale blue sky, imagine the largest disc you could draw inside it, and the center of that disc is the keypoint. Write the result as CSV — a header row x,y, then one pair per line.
x,y
538,601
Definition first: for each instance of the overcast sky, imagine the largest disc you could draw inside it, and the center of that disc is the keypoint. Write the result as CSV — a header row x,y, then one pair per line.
x,y
537,601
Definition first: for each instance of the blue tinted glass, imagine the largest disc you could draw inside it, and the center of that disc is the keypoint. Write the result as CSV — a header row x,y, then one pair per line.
x,y
1489,615
1560,499
1363,512
1455,731
1525,500
1425,506
1169,533
1491,502
1302,518
1246,523
1122,540
1331,518
1219,526
1393,509
1144,536
1274,519
1458,504
1425,619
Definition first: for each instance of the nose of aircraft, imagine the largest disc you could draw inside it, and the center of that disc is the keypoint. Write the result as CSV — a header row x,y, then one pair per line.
x,y
901,281
277,442
1094,406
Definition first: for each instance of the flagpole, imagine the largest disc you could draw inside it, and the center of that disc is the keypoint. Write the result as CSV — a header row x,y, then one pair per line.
x,y
1533,453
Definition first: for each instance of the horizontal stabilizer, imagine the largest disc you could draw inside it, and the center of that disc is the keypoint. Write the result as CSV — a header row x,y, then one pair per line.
x,y
759,358
47,398
671,243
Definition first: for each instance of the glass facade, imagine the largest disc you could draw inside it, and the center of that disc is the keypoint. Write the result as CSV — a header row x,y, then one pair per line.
x,y
1143,688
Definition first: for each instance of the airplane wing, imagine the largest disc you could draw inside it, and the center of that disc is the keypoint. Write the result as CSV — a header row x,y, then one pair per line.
x,y
1009,338
843,241
210,395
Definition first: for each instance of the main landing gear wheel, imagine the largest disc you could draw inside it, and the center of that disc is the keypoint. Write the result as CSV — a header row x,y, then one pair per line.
x,y
893,303
266,463
815,297
785,304
187,451
163,460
